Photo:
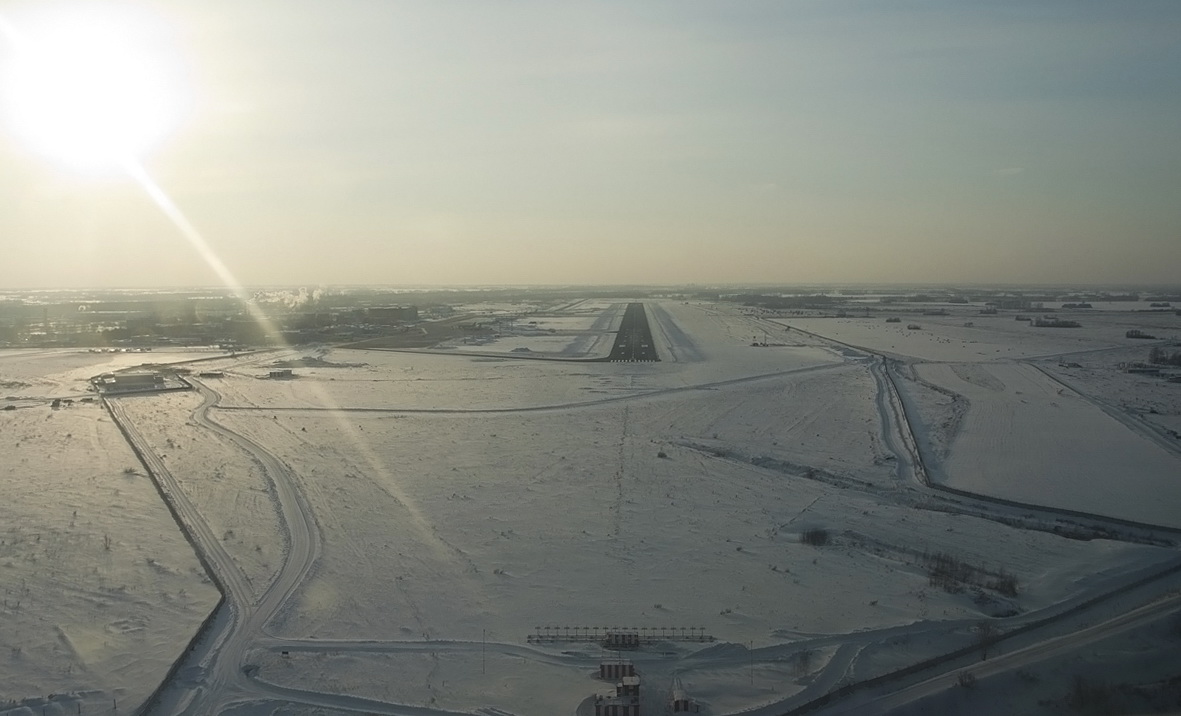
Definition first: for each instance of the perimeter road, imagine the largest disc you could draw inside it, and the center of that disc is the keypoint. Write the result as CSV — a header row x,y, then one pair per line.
x,y
213,672
1039,651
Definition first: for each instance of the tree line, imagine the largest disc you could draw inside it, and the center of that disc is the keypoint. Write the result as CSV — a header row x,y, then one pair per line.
x,y
1159,356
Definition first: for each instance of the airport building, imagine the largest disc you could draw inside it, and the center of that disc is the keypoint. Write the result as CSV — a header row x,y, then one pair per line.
x,y
129,382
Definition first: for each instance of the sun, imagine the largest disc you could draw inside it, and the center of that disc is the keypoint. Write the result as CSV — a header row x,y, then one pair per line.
x,y
92,86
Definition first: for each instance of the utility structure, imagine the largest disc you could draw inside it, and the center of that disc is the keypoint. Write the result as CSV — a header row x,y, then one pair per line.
x,y
679,701
624,700
618,636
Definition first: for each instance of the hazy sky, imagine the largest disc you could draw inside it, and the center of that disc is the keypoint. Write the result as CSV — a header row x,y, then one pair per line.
x,y
518,141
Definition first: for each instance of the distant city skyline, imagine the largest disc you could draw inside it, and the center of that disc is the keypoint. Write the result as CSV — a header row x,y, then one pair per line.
x,y
447,143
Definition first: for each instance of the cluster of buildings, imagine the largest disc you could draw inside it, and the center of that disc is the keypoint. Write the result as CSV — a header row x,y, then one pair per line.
x,y
624,698
127,321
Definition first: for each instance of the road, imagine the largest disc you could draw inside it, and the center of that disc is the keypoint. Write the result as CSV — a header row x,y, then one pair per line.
x,y
1067,643
213,674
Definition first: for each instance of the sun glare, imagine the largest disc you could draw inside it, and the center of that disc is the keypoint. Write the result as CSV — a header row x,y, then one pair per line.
x,y
93,87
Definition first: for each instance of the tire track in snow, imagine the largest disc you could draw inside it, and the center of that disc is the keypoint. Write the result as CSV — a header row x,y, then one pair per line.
x,y
556,407
617,507
907,463
211,675
223,570
1137,425
303,540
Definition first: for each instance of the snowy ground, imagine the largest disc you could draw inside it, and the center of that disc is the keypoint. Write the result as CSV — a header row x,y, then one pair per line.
x,y
36,374
229,488
1099,376
1027,437
463,501
100,591
990,337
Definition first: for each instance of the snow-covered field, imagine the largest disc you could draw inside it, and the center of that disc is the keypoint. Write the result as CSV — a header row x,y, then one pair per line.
x,y
989,338
1029,438
462,502
101,593
229,488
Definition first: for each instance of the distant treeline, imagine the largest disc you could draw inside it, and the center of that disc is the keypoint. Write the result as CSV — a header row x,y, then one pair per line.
x,y
776,302
1109,297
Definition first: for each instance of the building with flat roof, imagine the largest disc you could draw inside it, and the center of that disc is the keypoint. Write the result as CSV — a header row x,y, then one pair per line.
x,y
128,382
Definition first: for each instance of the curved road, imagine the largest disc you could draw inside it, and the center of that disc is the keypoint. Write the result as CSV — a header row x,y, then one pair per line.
x,y
212,675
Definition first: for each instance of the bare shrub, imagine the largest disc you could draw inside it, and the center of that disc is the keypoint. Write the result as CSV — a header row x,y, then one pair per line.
x,y
803,661
1088,696
986,634
1005,583
817,537
951,574
948,572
